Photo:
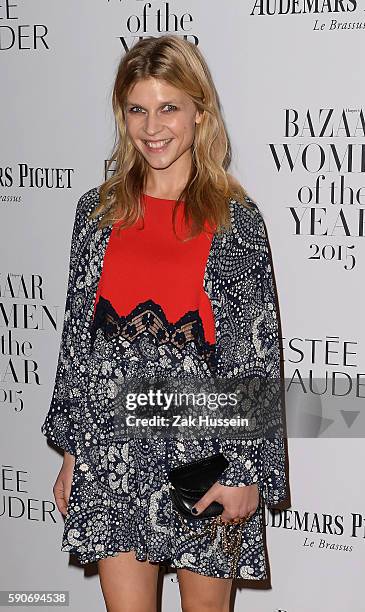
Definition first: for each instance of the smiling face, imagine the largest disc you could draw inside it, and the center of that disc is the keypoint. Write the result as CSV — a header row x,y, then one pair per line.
x,y
160,121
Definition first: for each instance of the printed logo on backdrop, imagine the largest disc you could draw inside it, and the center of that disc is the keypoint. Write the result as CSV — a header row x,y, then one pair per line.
x,y
24,314
25,176
330,15
153,19
324,399
17,501
338,533
324,148
16,35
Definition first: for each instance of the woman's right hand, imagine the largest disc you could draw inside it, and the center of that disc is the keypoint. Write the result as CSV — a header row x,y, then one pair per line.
x,y
62,486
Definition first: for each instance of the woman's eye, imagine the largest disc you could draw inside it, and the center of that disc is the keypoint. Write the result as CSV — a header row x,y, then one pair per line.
x,y
136,109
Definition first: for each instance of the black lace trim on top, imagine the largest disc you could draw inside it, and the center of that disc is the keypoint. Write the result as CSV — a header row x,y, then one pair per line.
x,y
150,317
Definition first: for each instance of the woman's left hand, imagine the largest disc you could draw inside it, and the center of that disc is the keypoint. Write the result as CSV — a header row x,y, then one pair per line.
x,y
238,502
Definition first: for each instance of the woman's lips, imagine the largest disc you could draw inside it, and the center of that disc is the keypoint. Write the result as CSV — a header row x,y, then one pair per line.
x,y
154,149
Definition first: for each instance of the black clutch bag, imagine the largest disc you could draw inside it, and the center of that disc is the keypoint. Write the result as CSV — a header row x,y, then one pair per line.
x,y
191,480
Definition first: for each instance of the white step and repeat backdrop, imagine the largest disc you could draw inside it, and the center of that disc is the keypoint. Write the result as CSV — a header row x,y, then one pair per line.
x,y
290,77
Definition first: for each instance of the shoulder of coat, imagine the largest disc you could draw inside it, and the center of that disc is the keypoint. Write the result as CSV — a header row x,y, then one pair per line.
x,y
88,200
245,214
85,205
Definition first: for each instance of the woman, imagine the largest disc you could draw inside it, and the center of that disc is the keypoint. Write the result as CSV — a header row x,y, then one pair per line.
x,y
169,274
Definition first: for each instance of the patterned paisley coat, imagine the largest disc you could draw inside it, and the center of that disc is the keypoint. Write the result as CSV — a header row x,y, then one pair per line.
x,y
238,280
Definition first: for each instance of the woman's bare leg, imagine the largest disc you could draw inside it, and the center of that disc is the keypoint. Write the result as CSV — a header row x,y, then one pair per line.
x,y
128,585
202,593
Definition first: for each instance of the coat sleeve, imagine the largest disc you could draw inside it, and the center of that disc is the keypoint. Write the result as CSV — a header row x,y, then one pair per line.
x,y
255,359
59,424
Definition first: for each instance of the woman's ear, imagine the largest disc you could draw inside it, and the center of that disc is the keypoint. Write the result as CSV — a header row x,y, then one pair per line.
x,y
199,116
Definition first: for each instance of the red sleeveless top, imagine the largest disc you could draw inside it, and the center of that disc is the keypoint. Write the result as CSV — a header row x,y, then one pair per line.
x,y
147,262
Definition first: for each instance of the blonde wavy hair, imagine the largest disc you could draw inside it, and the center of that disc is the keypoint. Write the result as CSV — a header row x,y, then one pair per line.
x,y
209,187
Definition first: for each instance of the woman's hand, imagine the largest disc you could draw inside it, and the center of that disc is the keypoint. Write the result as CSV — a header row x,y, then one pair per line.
x,y
238,502
62,486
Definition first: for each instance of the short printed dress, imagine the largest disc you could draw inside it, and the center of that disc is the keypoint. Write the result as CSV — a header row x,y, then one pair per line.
x,y
150,312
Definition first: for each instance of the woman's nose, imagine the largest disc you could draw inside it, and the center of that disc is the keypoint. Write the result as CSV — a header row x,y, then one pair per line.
x,y
153,123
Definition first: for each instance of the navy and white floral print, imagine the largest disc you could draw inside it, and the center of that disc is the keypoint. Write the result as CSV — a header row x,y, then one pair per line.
x,y
120,492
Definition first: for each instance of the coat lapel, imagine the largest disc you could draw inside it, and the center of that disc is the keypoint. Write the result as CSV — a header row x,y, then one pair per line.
x,y
97,247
